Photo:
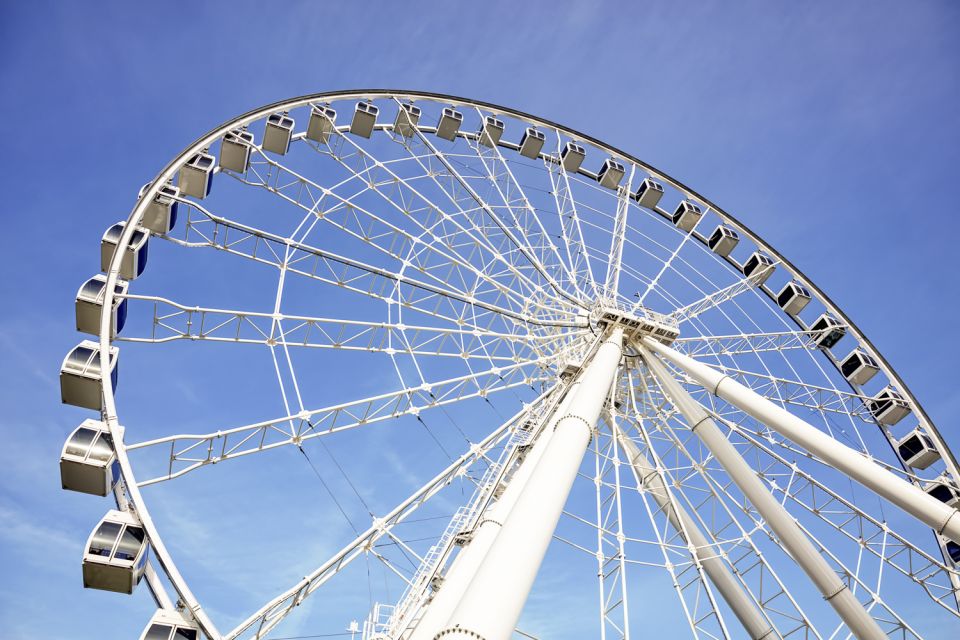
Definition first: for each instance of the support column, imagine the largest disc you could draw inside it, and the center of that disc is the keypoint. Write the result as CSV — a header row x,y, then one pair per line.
x,y
471,556
740,602
940,517
787,530
492,603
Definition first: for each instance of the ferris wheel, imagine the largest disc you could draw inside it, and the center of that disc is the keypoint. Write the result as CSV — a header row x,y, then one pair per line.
x,y
501,349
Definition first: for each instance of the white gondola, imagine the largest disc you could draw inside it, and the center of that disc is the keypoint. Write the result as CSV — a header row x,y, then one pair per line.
x,y
135,257
449,125
90,305
611,173
116,553
490,132
649,193
572,156
793,298
827,331
322,121
953,550
917,450
278,133
364,119
944,490
758,266
531,144
723,240
196,176
687,215
408,117
80,375
160,216
888,407
88,463
235,150
859,367
170,625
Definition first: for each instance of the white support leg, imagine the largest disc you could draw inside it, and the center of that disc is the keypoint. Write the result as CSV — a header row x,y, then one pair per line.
x,y
787,530
942,518
740,602
494,599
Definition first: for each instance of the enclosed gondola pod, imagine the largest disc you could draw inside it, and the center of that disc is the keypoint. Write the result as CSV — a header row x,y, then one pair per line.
x,y
134,259
917,450
116,553
196,176
648,194
793,298
88,462
89,306
888,407
449,124
490,131
408,117
723,241
953,550
322,121
80,383
611,173
944,490
170,625
686,215
859,367
531,144
364,119
827,331
160,216
759,267
235,150
572,156
277,133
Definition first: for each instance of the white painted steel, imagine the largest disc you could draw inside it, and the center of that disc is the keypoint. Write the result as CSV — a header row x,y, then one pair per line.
x,y
493,601
911,498
786,528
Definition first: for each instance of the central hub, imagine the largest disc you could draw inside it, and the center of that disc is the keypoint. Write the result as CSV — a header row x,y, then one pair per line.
x,y
636,323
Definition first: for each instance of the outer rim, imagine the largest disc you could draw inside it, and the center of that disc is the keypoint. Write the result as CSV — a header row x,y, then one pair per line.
x,y
109,412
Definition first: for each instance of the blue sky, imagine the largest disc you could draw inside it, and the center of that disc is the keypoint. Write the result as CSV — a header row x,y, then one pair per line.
x,y
829,129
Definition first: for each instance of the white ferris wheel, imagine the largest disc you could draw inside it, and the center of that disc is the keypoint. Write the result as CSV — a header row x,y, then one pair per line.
x,y
502,349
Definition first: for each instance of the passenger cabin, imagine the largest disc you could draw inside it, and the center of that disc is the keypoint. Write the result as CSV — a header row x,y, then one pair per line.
x,y
953,550
364,118
170,625
888,407
917,450
611,173
793,298
160,216
235,150
649,193
322,121
490,131
90,299
723,241
531,144
827,331
80,375
134,259
449,125
758,266
88,463
408,117
116,553
944,490
572,156
196,176
859,367
687,215
278,133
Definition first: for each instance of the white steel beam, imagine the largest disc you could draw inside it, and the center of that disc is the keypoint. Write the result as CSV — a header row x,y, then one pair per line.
x,y
494,599
941,517
786,528
756,625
